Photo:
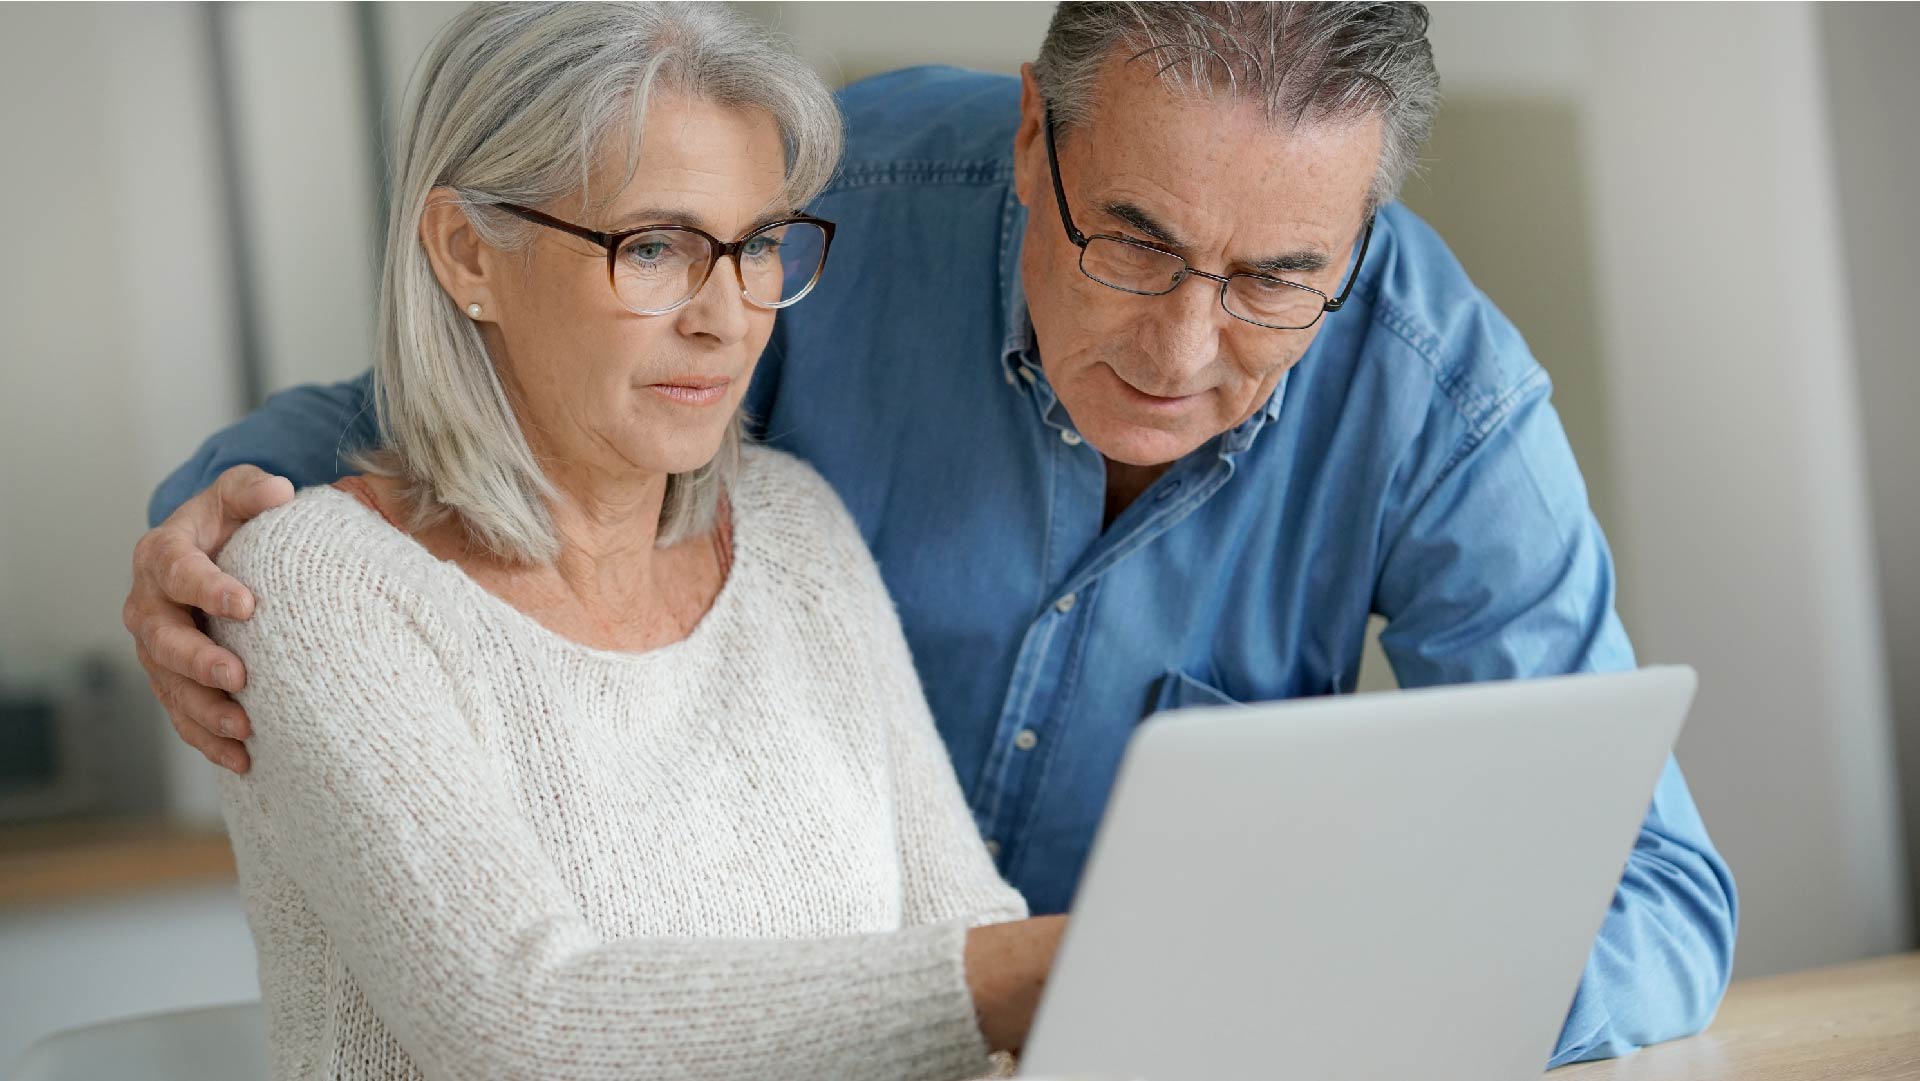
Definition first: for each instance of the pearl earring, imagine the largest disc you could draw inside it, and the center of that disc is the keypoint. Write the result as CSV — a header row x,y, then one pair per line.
x,y
473,310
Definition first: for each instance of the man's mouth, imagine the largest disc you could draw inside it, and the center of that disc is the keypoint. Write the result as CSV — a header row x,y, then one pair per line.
x,y
1149,400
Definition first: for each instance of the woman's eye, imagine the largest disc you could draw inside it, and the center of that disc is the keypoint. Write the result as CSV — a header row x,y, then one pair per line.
x,y
760,247
649,251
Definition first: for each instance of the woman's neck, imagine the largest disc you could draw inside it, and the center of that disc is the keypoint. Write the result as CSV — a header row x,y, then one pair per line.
x,y
611,587
608,526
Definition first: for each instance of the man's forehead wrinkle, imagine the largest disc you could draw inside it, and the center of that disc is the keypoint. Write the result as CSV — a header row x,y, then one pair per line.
x,y
1139,193
1125,205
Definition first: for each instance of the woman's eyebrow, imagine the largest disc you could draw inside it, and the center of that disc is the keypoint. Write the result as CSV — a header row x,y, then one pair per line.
x,y
658,216
665,216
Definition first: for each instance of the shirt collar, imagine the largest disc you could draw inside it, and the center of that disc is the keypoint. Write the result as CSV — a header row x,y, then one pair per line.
x,y
1019,350
1240,437
1018,345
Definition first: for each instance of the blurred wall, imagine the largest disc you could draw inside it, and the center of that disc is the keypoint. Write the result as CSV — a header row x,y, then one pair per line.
x,y
1743,522
117,350
117,355
309,170
849,41
115,345
1875,85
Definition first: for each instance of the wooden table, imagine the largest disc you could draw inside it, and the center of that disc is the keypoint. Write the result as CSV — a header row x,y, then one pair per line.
x,y
1858,1022
75,860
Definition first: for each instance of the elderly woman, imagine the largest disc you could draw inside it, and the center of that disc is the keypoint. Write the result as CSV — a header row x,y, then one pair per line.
x,y
586,743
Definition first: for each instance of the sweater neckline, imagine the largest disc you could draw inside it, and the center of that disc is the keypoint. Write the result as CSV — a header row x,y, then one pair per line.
x,y
720,611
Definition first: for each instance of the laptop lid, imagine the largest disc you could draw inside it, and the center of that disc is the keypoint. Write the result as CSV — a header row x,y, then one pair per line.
x,y
1376,886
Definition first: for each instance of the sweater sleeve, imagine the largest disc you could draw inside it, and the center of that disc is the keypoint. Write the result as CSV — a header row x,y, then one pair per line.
x,y
370,791
948,872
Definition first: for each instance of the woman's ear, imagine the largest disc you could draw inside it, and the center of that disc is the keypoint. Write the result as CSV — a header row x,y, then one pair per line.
x,y
457,253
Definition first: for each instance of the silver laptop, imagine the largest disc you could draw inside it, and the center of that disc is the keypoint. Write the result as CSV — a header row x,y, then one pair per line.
x,y
1379,886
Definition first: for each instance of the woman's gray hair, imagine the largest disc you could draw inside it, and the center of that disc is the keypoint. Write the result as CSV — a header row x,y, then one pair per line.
x,y
519,103
1299,61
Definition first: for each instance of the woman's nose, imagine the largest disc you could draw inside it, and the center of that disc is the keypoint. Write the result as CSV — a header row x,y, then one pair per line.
x,y
719,309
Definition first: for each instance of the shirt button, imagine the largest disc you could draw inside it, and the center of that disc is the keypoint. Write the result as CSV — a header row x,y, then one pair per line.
x,y
1167,492
1026,740
1009,375
1070,438
993,849
1027,374
1065,604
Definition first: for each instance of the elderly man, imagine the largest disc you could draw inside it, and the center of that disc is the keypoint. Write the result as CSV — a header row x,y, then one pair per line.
x,y
1145,394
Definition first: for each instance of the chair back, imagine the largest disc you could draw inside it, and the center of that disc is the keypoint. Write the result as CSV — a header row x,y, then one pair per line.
x,y
220,1043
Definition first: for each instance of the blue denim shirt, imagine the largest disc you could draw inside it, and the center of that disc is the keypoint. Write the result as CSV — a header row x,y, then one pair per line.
x,y
1410,465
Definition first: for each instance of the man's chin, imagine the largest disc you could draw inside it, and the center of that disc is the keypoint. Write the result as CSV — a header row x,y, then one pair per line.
x,y
1130,428
1140,445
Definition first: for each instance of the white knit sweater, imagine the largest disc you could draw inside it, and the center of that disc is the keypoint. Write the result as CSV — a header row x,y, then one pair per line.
x,y
470,847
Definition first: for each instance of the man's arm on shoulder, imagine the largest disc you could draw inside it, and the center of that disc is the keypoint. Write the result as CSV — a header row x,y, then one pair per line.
x,y
1499,570
304,434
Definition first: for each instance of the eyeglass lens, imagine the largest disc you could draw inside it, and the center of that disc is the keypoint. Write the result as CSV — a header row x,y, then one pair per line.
x,y
659,269
1139,269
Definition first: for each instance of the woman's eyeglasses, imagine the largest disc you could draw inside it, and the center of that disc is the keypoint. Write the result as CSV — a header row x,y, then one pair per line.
x,y
657,268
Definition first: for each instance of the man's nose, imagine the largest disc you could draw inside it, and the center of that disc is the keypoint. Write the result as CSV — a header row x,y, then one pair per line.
x,y
1186,329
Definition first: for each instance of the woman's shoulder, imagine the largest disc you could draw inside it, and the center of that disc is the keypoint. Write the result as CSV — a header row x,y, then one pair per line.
x,y
324,543
787,513
775,483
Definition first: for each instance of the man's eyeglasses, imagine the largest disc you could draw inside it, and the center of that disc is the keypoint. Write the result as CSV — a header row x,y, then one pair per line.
x,y
657,268
1135,266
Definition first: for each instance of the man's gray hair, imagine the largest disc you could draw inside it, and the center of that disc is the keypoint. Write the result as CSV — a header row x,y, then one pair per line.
x,y
1300,62
520,104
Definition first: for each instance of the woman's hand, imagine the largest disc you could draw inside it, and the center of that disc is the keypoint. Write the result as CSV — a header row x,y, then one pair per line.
x,y
1007,966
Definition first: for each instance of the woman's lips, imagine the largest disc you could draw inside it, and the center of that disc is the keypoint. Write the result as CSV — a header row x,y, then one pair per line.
x,y
692,390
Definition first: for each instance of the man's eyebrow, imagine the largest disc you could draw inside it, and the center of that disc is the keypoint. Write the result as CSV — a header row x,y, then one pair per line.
x,y
1303,261
1143,221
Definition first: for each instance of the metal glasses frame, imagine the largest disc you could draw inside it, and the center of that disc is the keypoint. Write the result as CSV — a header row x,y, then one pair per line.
x,y
1080,240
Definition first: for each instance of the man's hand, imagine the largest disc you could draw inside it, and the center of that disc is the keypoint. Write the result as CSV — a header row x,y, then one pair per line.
x,y
174,574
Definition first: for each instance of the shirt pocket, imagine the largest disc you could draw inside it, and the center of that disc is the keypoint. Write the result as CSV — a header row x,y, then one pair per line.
x,y
1179,690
